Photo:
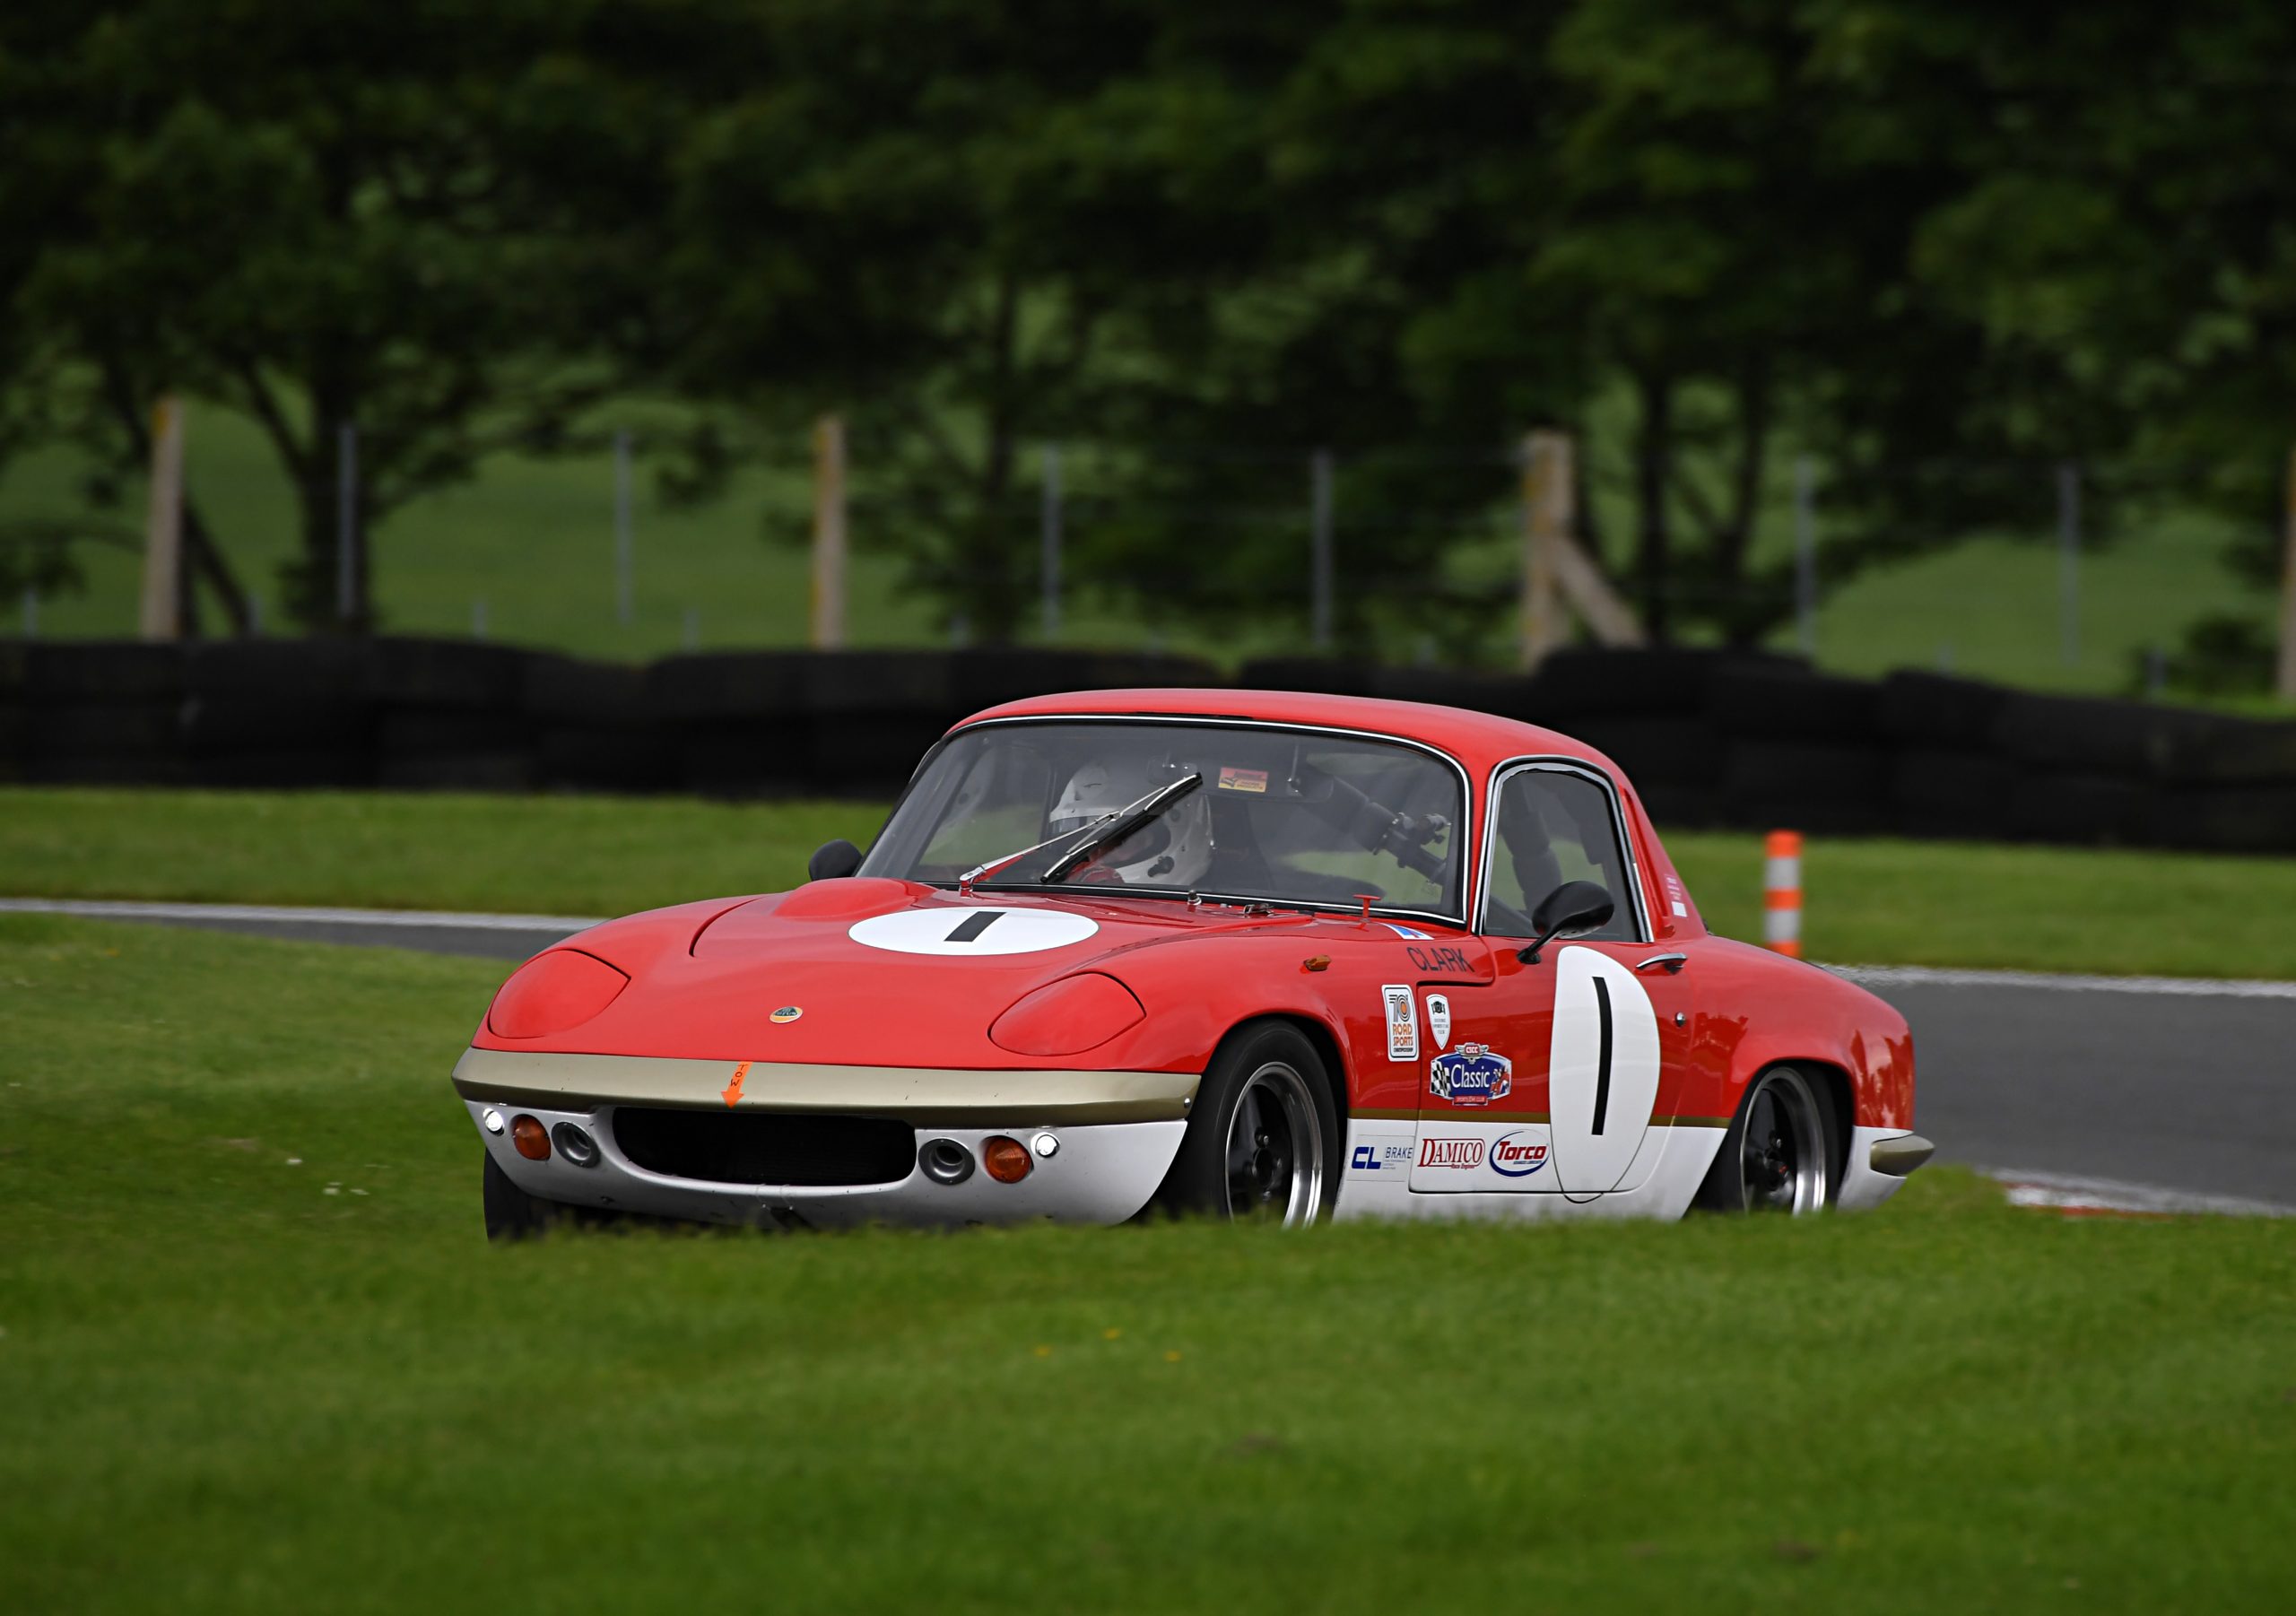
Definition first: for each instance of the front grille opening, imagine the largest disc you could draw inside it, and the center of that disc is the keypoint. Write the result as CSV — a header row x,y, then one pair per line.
x,y
766,1147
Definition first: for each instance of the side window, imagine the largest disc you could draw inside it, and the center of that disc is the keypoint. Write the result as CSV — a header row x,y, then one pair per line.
x,y
1549,826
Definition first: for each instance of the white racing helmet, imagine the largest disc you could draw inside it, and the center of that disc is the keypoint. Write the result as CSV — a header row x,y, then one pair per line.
x,y
1174,849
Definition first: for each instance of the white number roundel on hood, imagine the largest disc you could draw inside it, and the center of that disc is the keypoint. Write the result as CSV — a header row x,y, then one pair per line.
x,y
986,930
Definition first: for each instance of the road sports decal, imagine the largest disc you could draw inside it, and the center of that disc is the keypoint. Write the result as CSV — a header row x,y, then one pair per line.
x,y
1450,1153
1403,1023
1519,1154
1471,1075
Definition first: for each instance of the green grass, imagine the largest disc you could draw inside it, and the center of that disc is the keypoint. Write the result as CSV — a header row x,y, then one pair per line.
x,y
256,1356
1868,901
532,540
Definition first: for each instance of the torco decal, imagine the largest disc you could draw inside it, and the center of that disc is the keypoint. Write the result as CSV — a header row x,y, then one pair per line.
x,y
1403,1023
1440,959
948,930
1450,1153
1471,1075
1519,1154
1439,1020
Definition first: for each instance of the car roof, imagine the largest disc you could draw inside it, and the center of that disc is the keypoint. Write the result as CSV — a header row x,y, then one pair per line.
x,y
1479,740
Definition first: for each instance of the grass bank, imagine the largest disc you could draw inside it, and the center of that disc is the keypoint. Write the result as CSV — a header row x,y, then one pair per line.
x,y
1875,901
256,1357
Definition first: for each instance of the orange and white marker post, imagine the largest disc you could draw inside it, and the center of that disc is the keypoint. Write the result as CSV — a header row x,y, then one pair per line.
x,y
1782,896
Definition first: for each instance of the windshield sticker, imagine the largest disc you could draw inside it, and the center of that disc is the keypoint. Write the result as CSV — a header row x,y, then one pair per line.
x,y
1244,779
972,932
1403,1023
1675,896
1439,1020
1408,930
1471,1076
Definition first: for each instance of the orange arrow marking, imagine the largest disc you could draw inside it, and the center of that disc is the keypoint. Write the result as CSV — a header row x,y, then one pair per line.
x,y
733,1091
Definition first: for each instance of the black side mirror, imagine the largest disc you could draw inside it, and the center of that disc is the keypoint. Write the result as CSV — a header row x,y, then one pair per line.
x,y
831,860
1572,909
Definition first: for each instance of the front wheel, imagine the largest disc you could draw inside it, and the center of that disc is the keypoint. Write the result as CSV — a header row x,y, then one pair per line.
x,y
1779,1154
1262,1139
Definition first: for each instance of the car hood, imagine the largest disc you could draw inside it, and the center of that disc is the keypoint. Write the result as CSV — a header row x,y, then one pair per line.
x,y
879,972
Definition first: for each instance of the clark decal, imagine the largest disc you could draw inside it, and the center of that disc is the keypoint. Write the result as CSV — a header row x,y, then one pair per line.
x,y
1471,1075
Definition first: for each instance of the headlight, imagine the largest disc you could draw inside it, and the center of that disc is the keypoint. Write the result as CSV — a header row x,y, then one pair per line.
x,y
551,992
1071,1016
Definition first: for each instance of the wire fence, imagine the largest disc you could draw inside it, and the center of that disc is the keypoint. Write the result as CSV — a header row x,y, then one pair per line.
x,y
2055,574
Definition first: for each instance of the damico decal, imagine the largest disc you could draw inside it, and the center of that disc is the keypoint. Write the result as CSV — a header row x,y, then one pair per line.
x,y
1403,1023
1438,959
1519,1154
1471,1075
1450,1153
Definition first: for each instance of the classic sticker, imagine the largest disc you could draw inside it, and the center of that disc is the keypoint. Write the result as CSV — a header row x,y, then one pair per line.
x,y
1403,1023
1466,1154
1243,780
1471,1075
1519,1154
1439,1020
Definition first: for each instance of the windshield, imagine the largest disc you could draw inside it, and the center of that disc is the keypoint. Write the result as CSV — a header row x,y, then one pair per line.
x,y
1289,816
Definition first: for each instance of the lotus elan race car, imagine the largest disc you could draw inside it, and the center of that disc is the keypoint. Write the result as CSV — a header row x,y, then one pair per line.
x,y
1242,953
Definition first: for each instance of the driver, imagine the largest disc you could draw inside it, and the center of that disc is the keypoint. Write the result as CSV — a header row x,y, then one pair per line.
x,y
1174,849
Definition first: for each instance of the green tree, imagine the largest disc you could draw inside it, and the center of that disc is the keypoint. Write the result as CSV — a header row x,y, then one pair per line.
x,y
322,213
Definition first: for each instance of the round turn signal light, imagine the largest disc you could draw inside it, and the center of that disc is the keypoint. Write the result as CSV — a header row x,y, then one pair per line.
x,y
531,1137
1007,1160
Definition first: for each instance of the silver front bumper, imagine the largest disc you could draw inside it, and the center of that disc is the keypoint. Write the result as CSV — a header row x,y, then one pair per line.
x,y
1117,1132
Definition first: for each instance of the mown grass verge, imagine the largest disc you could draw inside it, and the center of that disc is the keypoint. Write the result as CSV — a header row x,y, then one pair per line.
x,y
257,1357
1875,901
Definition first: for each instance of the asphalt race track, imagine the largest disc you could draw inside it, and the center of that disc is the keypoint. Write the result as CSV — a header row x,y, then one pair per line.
x,y
2188,1087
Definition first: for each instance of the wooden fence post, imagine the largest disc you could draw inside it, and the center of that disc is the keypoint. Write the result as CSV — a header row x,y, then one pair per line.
x,y
1546,517
829,534
163,613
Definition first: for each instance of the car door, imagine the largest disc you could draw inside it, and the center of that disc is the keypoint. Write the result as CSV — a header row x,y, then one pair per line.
x,y
1586,1039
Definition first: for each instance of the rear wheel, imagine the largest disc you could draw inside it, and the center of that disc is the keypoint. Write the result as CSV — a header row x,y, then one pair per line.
x,y
1778,1154
1262,1139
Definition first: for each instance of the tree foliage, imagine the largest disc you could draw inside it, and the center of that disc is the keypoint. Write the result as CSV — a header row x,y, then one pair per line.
x,y
1888,234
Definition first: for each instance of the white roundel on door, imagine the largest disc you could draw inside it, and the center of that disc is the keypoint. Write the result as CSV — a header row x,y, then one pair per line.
x,y
974,931
1602,1069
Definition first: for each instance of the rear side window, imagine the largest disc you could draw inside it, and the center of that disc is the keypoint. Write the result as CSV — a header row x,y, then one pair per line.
x,y
1549,826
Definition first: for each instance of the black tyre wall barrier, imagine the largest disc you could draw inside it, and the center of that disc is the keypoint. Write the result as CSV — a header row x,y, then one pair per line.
x,y
1710,738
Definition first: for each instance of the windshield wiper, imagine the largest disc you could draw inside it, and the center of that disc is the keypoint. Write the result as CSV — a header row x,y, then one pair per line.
x,y
1116,826
1130,816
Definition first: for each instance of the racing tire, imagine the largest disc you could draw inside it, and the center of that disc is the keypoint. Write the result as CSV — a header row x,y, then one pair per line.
x,y
511,1213
1779,1152
1262,1139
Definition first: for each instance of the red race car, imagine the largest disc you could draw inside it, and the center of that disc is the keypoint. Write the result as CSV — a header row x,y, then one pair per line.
x,y
1222,951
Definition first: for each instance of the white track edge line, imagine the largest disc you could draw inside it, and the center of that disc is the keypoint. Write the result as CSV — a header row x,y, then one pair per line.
x,y
1871,976
288,915
1929,976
